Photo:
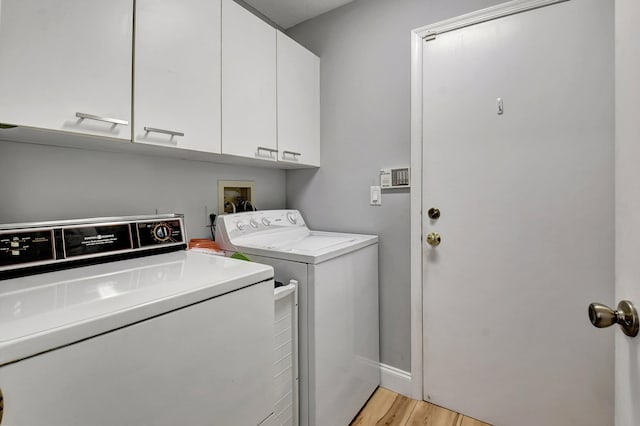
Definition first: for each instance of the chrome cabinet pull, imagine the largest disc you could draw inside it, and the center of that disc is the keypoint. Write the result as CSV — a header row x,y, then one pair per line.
x,y
295,155
164,132
83,116
269,150
262,148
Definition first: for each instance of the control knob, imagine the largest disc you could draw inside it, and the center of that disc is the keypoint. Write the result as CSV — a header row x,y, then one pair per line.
x,y
292,217
266,221
241,226
253,223
161,232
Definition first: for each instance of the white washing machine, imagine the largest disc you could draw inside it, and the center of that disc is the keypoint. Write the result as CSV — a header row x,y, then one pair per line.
x,y
160,336
337,278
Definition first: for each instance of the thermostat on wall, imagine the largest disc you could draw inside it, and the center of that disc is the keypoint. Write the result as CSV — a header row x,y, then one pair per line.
x,y
394,178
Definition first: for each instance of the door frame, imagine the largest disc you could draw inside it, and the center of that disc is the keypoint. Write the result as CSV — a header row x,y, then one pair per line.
x,y
415,388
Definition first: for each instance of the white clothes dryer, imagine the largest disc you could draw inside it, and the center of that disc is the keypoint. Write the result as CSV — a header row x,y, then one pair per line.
x,y
160,336
337,276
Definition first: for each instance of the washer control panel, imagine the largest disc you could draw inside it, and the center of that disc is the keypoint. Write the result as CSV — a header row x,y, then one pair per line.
x,y
231,226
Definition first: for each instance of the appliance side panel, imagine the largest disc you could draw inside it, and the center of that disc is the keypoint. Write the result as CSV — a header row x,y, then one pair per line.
x,y
344,336
307,358
210,363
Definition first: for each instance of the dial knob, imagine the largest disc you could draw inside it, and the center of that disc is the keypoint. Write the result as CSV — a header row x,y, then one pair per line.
x,y
292,217
253,223
240,226
161,232
265,221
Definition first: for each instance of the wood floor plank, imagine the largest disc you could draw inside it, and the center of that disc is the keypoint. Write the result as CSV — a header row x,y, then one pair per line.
x,y
426,414
399,412
387,408
378,405
468,421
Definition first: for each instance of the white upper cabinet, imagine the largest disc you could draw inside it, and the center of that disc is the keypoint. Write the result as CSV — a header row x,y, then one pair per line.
x,y
248,84
66,65
177,74
298,103
208,76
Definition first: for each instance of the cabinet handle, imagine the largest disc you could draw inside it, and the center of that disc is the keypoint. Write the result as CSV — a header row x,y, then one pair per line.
x,y
1,405
82,115
269,150
165,132
295,155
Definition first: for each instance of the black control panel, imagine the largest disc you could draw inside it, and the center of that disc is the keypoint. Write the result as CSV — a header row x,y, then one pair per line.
x,y
33,249
26,247
160,232
85,240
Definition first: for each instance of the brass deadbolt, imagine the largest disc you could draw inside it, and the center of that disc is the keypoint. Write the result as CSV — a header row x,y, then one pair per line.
x,y
434,239
433,213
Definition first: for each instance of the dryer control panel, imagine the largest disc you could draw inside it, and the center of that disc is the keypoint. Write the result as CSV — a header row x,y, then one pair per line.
x,y
39,247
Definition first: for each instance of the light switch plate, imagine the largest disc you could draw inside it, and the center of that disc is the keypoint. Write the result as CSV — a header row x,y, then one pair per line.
x,y
375,196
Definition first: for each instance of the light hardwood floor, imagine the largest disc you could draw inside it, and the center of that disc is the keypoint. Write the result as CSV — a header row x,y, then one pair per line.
x,y
391,409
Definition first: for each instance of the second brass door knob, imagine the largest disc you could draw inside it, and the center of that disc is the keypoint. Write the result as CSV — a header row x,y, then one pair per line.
x,y
434,239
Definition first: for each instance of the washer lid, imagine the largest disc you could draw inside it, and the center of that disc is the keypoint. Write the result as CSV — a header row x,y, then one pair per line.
x,y
46,311
315,242
312,247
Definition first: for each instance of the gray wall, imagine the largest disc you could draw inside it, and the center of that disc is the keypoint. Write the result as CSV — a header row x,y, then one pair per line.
x,y
365,105
40,182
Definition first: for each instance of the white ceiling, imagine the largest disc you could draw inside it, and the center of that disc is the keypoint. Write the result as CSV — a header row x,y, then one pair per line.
x,y
287,13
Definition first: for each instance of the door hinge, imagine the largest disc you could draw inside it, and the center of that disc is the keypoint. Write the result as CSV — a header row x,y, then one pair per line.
x,y
429,36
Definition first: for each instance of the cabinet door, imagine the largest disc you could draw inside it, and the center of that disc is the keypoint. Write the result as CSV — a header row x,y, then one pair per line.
x,y
248,84
298,103
61,59
177,73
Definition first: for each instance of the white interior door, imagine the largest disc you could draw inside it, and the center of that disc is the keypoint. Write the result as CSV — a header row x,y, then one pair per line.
x,y
526,198
627,204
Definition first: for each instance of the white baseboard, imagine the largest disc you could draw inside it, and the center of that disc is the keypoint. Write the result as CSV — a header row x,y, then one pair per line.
x,y
395,379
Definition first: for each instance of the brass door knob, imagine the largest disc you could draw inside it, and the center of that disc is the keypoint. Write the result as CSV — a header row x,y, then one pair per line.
x,y
434,239
602,316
